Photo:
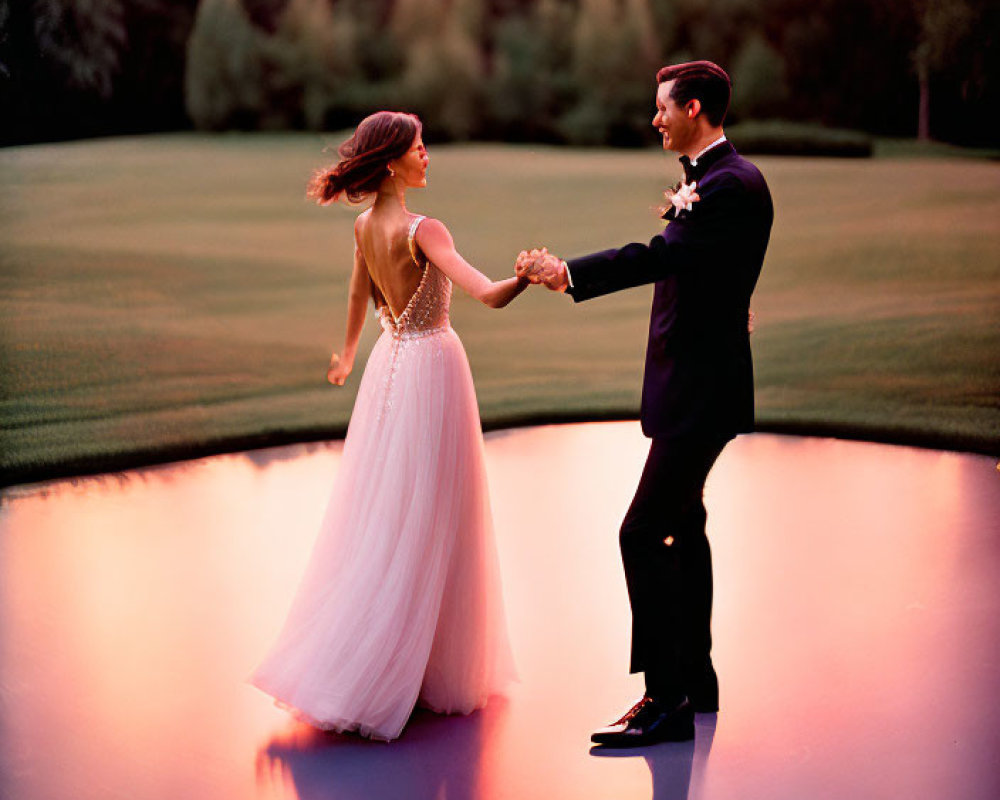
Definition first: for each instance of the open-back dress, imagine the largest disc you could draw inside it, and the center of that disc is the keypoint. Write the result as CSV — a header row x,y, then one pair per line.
x,y
401,600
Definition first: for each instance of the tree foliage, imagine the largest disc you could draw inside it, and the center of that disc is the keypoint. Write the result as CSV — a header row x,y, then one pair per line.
x,y
442,79
83,41
86,67
546,70
615,57
532,82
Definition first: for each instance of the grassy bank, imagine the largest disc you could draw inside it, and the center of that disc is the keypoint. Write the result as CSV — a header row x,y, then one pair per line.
x,y
174,295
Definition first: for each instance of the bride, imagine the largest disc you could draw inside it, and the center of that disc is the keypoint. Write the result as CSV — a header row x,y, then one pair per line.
x,y
401,600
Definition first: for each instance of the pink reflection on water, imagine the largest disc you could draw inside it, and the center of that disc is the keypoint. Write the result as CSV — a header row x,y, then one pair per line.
x,y
132,605
846,586
856,630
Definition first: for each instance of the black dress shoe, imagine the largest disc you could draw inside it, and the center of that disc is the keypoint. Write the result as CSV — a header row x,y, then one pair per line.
x,y
649,722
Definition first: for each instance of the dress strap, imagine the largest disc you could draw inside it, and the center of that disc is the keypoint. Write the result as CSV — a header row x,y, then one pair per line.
x,y
411,239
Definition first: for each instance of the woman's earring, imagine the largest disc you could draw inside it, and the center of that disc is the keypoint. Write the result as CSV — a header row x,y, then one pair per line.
x,y
392,172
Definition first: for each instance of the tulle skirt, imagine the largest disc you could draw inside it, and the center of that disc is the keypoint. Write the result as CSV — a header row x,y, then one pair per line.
x,y
401,600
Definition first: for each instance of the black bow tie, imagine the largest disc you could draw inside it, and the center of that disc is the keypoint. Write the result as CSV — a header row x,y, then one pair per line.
x,y
688,169
692,172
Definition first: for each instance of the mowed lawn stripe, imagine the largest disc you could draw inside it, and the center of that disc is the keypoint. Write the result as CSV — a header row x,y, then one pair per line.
x,y
166,296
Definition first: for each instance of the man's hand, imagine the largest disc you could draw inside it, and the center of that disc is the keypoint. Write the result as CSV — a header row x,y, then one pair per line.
x,y
540,266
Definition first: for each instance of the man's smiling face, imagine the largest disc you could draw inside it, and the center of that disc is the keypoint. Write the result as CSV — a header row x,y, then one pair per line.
x,y
676,124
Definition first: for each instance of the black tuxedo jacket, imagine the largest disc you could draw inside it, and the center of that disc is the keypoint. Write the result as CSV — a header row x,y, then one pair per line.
x,y
699,373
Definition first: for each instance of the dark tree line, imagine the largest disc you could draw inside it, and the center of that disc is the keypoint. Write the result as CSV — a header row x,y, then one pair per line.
x,y
575,71
73,68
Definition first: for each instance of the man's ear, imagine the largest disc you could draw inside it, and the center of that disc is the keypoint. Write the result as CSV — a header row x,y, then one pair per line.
x,y
693,108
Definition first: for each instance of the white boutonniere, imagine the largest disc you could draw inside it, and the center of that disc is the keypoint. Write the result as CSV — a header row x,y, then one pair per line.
x,y
682,198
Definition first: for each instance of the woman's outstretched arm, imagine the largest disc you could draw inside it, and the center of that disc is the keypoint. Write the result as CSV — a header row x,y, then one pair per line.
x,y
357,305
436,243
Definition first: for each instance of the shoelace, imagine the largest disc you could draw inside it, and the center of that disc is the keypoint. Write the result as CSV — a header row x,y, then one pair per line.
x,y
630,714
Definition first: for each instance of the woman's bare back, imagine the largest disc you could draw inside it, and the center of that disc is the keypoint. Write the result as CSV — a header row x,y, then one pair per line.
x,y
384,242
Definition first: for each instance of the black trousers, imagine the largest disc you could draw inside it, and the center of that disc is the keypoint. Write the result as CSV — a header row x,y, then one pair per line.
x,y
668,568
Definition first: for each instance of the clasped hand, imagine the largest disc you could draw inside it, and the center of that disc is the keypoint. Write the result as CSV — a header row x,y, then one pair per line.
x,y
540,266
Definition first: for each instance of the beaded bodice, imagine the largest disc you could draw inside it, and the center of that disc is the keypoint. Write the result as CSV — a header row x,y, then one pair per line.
x,y
427,310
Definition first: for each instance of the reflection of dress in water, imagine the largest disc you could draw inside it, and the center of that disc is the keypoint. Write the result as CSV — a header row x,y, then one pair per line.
x,y
401,599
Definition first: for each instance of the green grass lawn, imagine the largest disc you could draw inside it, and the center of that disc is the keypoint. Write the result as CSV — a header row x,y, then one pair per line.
x,y
171,295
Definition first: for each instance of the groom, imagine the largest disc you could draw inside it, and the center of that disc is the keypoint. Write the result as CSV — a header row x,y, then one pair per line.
x,y
697,391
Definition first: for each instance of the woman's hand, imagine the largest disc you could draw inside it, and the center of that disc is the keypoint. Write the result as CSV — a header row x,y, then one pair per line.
x,y
338,370
540,266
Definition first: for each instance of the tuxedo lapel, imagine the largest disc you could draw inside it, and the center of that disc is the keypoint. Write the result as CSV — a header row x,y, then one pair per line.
x,y
695,172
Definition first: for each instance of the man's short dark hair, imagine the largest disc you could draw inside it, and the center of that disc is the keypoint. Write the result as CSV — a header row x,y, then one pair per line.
x,y
703,81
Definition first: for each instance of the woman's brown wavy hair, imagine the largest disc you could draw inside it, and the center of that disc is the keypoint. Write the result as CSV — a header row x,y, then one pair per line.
x,y
364,158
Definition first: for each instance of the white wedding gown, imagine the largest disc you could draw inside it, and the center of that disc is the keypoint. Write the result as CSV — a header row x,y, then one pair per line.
x,y
401,600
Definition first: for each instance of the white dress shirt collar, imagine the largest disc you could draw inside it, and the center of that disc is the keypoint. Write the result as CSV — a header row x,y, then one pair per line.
x,y
720,140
